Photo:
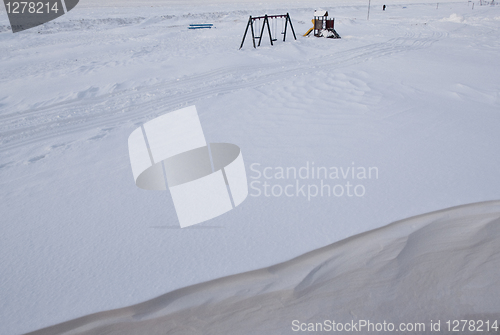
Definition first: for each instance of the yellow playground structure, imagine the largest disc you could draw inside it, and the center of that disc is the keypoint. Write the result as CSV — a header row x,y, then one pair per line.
x,y
323,26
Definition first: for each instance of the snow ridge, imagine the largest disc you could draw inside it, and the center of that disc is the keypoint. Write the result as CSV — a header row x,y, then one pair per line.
x,y
441,265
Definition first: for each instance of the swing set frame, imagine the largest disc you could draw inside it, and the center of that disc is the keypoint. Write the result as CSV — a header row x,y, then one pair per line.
x,y
266,18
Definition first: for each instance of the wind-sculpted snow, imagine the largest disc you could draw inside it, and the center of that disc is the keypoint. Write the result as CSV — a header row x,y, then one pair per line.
x,y
108,109
439,266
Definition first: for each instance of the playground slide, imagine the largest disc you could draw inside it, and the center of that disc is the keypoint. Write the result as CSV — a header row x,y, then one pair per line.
x,y
308,32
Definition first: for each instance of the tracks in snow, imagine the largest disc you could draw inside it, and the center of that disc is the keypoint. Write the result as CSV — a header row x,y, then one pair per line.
x,y
24,128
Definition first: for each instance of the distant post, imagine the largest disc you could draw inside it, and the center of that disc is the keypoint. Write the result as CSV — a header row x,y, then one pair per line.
x,y
368,17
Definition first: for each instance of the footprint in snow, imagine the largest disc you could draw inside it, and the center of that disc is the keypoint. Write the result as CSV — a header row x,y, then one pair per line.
x,y
5,165
36,159
97,137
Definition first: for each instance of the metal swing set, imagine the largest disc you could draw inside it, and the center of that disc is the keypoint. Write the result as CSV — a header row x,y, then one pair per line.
x,y
255,26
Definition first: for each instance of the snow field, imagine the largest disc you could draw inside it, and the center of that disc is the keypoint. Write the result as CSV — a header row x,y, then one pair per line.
x,y
413,91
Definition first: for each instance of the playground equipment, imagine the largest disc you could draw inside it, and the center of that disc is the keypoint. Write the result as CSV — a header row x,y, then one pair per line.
x,y
201,26
323,26
254,23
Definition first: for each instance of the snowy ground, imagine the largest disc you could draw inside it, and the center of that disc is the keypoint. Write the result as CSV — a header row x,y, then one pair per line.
x,y
413,275
414,91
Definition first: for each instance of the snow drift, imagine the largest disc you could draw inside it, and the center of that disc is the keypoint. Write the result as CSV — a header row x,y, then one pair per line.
x,y
438,266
